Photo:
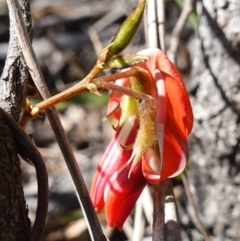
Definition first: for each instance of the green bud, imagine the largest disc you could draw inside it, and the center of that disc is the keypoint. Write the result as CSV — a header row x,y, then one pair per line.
x,y
127,30
125,61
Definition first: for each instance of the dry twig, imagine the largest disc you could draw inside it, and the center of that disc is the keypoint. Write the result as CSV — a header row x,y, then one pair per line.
x,y
166,222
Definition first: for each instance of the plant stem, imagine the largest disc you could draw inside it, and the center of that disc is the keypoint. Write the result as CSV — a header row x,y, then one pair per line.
x,y
126,91
165,218
53,100
100,83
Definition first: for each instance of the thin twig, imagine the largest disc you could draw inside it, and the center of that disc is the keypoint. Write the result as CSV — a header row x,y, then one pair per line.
x,y
136,95
77,89
96,42
193,208
175,38
161,23
139,221
147,204
152,35
128,228
155,24
30,58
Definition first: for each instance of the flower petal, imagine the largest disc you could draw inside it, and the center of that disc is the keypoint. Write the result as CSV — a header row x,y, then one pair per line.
x,y
161,109
122,195
174,116
175,153
114,157
174,83
152,166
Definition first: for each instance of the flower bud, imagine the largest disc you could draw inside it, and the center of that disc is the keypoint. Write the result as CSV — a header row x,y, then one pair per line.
x,y
127,30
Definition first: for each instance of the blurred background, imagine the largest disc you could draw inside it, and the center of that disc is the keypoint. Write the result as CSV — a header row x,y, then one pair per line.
x,y
68,35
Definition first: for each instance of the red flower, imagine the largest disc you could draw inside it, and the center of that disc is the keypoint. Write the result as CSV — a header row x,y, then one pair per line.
x,y
149,145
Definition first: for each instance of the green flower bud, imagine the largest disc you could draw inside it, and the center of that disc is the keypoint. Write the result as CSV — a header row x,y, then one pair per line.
x,y
127,30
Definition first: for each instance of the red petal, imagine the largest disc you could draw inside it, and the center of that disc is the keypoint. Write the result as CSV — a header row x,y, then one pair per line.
x,y
174,83
172,137
178,125
113,159
123,194
176,108
175,154
151,166
179,103
179,121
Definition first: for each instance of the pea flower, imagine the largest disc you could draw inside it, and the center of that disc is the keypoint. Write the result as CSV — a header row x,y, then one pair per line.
x,y
150,143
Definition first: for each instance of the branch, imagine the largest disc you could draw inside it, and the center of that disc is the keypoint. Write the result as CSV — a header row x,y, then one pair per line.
x,y
152,29
14,78
15,223
30,58
30,153
165,218
161,23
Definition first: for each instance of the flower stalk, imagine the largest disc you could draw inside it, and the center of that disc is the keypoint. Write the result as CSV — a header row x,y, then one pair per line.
x,y
100,83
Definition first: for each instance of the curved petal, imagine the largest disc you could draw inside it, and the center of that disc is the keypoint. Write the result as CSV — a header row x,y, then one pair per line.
x,y
122,195
178,124
175,86
114,158
152,166
172,137
180,103
174,116
175,155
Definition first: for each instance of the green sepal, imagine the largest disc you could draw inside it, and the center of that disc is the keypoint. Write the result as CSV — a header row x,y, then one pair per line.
x,y
125,61
129,108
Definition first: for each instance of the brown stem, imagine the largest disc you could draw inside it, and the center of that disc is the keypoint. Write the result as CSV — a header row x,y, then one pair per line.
x,y
125,74
25,118
165,220
30,153
53,100
82,86
26,115
126,91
